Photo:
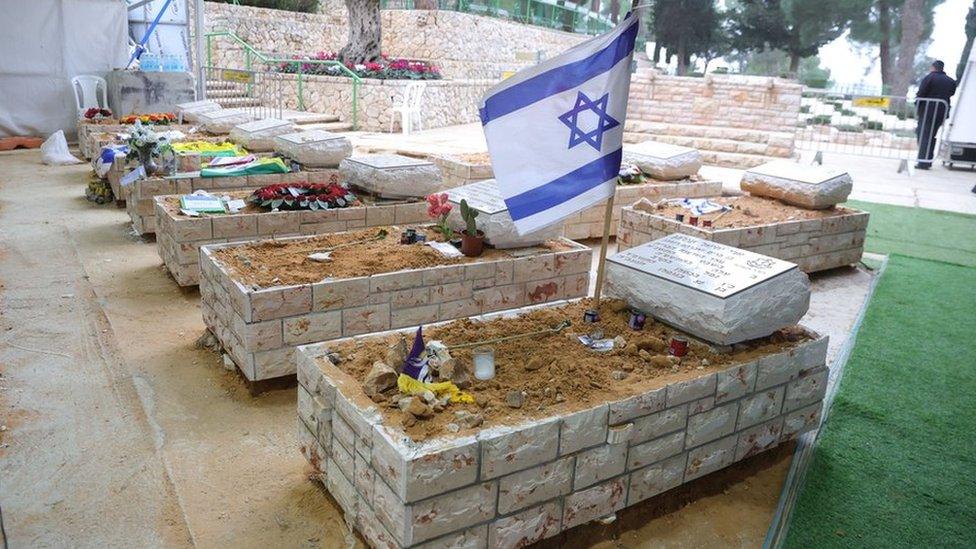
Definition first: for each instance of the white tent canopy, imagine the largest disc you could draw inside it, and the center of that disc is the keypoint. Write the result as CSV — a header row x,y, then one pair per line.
x,y
43,44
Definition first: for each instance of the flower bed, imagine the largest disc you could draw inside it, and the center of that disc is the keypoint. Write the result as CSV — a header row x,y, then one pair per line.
x,y
179,237
813,239
93,136
140,195
589,222
526,474
263,299
386,68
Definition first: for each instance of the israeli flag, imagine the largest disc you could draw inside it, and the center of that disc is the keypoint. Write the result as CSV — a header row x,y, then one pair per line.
x,y
555,130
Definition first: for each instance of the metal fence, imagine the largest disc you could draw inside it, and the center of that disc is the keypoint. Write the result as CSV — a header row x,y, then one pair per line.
x,y
258,92
882,126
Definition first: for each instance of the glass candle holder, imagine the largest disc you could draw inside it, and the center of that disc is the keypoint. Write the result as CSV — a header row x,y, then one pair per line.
x,y
484,362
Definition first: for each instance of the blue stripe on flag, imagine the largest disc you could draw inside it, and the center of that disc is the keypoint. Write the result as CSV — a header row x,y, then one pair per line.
x,y
559,79
566,187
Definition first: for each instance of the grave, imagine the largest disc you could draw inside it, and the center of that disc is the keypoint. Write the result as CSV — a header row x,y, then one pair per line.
x,y
494,219
222,121
260,314
461,169
589,222
140,196
663,161
179,236
392,175
815,240
718,293
189,112
524,475
812,187
259,136
314,148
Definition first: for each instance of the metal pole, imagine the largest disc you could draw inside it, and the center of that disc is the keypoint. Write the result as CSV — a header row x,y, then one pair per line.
x,y
198,38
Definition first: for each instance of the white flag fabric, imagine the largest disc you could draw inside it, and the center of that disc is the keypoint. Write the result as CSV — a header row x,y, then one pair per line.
x,y
555,130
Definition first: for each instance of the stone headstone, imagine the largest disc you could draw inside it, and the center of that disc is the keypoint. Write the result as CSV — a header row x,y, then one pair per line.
x,y
222,121
258,136
494,219
392,175
812,187
314,148
663,161
718,293
191,111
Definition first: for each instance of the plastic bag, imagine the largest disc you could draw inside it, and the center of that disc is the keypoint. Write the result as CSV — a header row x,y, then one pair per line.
x,y
54,151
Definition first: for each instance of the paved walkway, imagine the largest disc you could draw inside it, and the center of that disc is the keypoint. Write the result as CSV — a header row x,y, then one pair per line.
x,y
875,179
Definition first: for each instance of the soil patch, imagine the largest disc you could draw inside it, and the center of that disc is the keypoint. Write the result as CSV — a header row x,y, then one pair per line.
x,y
748,211
285,262
477,159
569,376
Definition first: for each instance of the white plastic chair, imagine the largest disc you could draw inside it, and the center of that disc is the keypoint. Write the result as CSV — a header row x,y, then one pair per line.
x,y
409,108
87,88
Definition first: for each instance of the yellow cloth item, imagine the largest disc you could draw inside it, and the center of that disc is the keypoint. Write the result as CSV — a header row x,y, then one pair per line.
x,y
205,147
411,386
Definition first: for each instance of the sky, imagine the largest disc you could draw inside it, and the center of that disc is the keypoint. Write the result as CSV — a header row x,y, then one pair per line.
x,y
850,64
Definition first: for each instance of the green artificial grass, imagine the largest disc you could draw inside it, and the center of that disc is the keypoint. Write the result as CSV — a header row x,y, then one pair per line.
x,y
895,464
922,233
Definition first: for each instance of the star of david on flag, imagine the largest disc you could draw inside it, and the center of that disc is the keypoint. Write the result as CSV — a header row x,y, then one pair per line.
x,y
555,130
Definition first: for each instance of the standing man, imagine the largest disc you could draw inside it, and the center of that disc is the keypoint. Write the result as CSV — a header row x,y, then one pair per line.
x,y
931,114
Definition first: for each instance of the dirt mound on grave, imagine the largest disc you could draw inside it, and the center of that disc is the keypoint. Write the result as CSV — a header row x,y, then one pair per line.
x,y
749,211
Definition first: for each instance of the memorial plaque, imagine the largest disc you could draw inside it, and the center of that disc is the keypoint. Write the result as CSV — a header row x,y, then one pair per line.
x,y
784,169
716,269
481,195
261,125
311,136
389,161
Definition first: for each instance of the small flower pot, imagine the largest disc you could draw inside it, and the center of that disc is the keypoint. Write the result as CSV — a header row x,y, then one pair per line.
x,y
472,246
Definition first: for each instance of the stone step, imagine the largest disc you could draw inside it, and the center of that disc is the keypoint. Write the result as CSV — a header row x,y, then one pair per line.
x,y
710,132
232,102
328,126
223,85
228,93
304,119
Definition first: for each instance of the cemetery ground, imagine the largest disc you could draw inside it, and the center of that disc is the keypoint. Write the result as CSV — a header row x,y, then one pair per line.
x,y
120,431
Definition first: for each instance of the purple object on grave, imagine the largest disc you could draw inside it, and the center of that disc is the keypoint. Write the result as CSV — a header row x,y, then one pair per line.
x,y
416,364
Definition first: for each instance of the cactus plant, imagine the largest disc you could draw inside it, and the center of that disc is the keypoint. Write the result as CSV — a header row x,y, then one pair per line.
x,y
468,214
472,241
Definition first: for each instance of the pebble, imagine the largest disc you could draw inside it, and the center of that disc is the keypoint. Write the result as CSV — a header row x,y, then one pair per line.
x,y
618,375
453,427
560,397
514,399
481,400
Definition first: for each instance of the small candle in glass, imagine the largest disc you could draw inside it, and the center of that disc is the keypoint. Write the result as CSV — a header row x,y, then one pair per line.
x,y
484,362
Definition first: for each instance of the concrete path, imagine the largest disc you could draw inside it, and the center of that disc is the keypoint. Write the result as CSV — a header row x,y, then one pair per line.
x,y
120,432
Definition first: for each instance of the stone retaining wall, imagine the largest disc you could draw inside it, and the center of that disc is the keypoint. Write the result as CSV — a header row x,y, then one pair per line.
x,y
140,201
814,244
589,222
462,45
260,329
178,237
512,486
456,172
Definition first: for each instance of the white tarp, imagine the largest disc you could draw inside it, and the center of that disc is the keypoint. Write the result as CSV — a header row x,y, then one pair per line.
x,y
962,124
171,36
43,44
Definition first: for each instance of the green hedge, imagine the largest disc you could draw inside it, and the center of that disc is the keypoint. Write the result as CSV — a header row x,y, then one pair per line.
x,y
305,6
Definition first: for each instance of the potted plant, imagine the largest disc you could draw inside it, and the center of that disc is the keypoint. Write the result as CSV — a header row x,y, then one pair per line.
x,y
437,209
472,240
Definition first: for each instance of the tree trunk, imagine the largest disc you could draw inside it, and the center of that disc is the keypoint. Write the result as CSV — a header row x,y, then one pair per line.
x,y
884,57
970,35
425,4
794,64
912,27
682,47
364,32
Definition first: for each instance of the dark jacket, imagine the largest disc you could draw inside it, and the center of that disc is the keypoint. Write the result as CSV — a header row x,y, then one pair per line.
x,y
938,85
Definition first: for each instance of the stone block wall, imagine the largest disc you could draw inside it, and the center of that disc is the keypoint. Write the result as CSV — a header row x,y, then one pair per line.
x,y
178,237
464,46
140,201
260,329
456,172
511,486
813,244
589,222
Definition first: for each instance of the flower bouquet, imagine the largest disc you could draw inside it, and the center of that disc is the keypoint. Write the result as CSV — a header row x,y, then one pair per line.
x,y
148,145
630,174
437,209
157,118
304,196
98,116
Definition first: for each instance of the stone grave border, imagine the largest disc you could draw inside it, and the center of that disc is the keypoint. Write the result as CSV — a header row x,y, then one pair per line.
x,y
456,172
260,329
813,244
512,485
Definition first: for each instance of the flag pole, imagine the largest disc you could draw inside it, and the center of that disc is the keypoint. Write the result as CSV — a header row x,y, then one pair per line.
x,y
608,215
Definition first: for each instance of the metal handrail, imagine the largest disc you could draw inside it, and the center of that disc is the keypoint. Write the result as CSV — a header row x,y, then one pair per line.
x,y
251,52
